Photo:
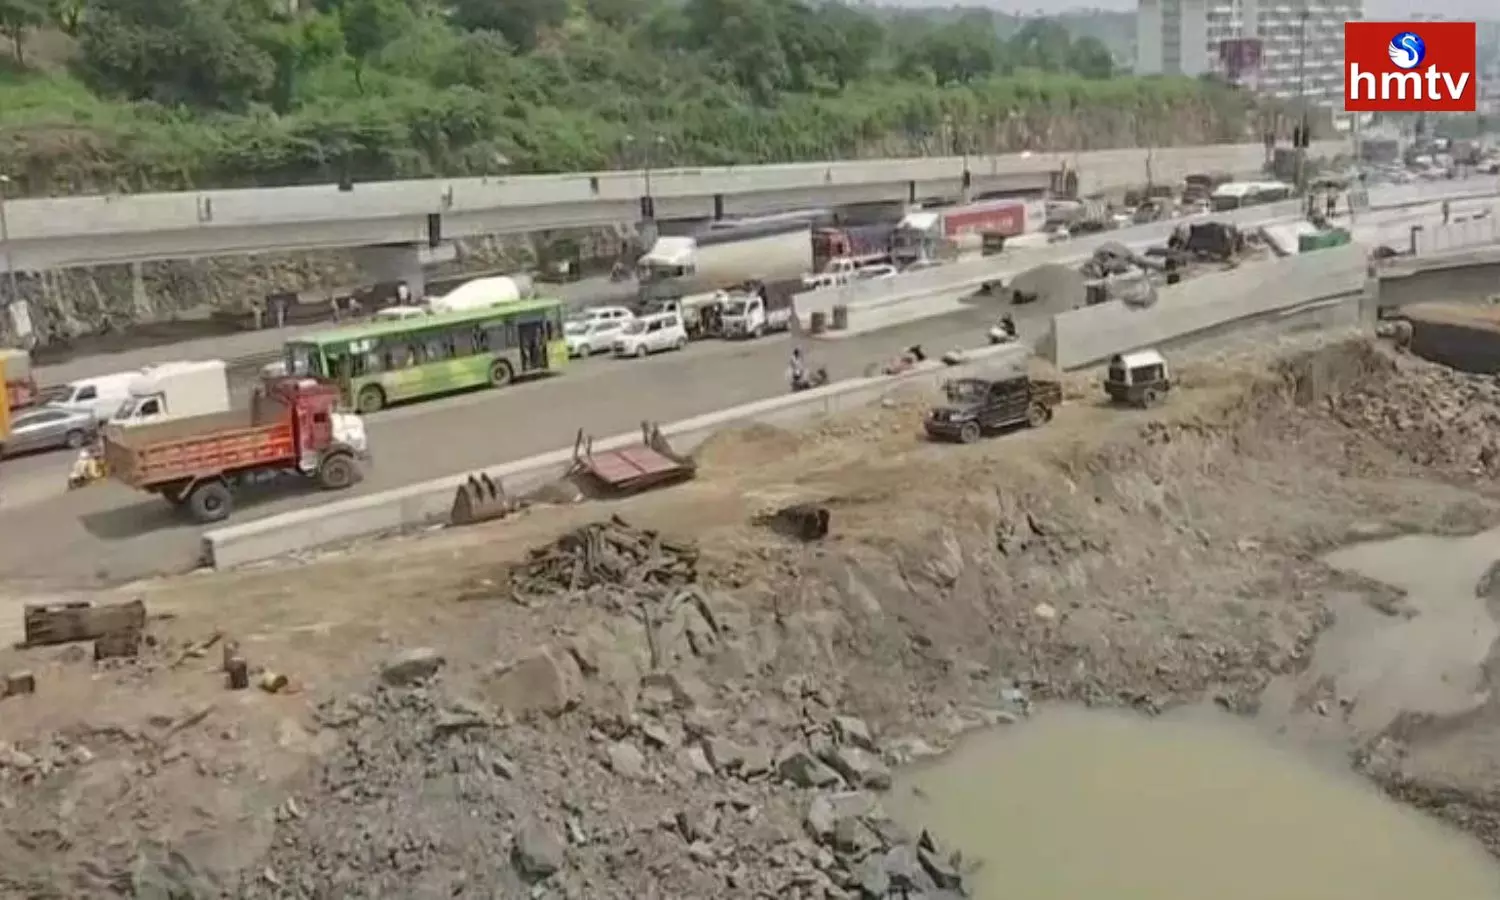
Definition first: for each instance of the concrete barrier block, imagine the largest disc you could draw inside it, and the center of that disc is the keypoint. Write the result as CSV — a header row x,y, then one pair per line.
x,y
1088,336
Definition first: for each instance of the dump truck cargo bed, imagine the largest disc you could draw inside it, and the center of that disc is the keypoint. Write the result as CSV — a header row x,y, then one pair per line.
x,y
203,446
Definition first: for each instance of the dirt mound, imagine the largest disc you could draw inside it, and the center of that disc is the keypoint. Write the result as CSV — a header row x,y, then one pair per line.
x,y
747,445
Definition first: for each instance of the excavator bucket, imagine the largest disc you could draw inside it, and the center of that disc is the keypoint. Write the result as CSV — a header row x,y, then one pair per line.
x,y
480,499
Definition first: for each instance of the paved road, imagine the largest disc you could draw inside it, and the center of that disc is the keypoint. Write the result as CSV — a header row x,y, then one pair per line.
x,y
109,532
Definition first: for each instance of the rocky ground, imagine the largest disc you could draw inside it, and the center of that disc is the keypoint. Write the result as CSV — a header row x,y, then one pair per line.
x,y
691,700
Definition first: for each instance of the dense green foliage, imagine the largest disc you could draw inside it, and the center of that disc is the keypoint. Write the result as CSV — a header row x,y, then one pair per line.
x,y
167,93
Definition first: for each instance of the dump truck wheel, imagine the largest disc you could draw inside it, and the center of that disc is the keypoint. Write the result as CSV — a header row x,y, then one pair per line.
x,y
337,473
370,400
1150,397
500,373
211,501
1038,415
970,432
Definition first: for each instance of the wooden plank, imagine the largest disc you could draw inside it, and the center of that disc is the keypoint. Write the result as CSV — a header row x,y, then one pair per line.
x,y
62,623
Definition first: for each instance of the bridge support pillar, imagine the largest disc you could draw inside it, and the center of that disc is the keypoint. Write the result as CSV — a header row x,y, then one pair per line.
x,y
396,263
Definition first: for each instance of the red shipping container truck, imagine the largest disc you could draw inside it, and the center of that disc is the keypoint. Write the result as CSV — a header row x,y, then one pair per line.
x,y
1003,217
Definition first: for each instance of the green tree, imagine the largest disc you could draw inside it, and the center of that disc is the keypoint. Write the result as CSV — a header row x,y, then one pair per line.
x,y
520,21
194,52
368,27
67,15
297,46
955,53
17,17
1091,59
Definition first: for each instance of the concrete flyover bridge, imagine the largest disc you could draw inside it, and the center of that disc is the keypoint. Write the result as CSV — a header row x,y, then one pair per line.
x,y
44,234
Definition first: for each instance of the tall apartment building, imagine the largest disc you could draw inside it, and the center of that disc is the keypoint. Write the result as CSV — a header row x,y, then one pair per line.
x,y
1183,37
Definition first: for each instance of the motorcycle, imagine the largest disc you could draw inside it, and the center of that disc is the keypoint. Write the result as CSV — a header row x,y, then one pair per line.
x,y
808,379
1003,333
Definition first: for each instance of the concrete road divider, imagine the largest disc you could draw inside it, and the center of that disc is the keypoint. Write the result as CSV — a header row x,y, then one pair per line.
x,y
430,503
1089,336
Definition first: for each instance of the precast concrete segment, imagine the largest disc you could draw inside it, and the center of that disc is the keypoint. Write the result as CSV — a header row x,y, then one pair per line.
x,y
1469,276
428,503
77,231
1089,336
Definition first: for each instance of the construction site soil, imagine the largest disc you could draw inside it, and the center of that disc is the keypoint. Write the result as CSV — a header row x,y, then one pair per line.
x,y
664,697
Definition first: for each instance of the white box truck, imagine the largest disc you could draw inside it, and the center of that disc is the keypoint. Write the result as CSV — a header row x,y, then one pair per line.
x,y
175,390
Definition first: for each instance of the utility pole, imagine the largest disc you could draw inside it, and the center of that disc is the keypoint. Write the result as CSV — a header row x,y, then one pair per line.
x,y
10,259
1303,134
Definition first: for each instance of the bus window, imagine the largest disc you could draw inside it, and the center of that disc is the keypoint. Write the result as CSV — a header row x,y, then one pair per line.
x,y
481,340
435,349
461,343
498,338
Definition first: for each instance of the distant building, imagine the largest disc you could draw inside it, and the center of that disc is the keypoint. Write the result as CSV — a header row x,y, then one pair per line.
x,y
1255,43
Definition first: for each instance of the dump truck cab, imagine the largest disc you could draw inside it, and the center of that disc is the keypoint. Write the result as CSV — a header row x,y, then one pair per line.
x,y
312,406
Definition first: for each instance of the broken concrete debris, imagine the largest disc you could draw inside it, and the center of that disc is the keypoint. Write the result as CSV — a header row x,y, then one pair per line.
x,y
609,553
411,666
545,681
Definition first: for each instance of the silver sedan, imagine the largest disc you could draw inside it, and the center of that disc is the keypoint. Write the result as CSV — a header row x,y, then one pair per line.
x,y
48,428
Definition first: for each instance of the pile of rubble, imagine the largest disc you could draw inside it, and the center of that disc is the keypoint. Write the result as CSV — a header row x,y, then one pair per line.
x,y
1431,415
609,554
430,789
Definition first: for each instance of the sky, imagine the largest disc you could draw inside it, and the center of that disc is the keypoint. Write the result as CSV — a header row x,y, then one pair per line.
x,y
1379,10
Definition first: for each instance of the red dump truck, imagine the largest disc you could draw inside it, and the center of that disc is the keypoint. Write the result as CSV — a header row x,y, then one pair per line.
x,y
293,426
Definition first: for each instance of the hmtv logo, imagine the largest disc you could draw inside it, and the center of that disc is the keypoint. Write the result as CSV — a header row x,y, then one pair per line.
x,y
1410,67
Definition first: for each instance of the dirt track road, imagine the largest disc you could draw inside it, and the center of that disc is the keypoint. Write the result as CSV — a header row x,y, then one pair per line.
x,y
108,532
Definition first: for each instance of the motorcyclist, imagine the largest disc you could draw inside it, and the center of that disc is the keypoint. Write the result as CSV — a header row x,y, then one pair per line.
x,y
1008,324
797,369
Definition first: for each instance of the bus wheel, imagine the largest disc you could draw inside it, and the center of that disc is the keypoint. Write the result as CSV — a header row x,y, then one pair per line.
x,y
500,373
371,400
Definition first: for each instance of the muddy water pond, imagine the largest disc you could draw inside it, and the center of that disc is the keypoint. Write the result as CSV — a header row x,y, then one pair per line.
x,y
1087,805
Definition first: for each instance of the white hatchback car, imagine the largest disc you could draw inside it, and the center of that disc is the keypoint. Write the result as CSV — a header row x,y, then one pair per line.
x,y
651,334
588,337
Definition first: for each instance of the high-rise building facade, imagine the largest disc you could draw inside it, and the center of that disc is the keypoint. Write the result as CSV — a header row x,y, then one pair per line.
x,y
1280,47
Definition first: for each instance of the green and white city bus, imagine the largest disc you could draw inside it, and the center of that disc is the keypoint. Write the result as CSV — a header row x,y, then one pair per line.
x,y
424,356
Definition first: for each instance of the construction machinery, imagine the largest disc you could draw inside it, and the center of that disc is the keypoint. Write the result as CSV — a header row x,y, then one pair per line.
x,y
628,470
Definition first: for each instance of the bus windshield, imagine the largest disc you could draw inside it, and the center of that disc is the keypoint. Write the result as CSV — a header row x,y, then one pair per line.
x,y
304,360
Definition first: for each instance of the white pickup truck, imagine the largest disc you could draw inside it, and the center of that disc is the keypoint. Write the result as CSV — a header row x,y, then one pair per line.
x,y
753,314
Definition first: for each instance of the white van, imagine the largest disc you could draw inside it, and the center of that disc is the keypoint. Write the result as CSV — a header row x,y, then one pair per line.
x,y
652,334
176,390
100,395
605,314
